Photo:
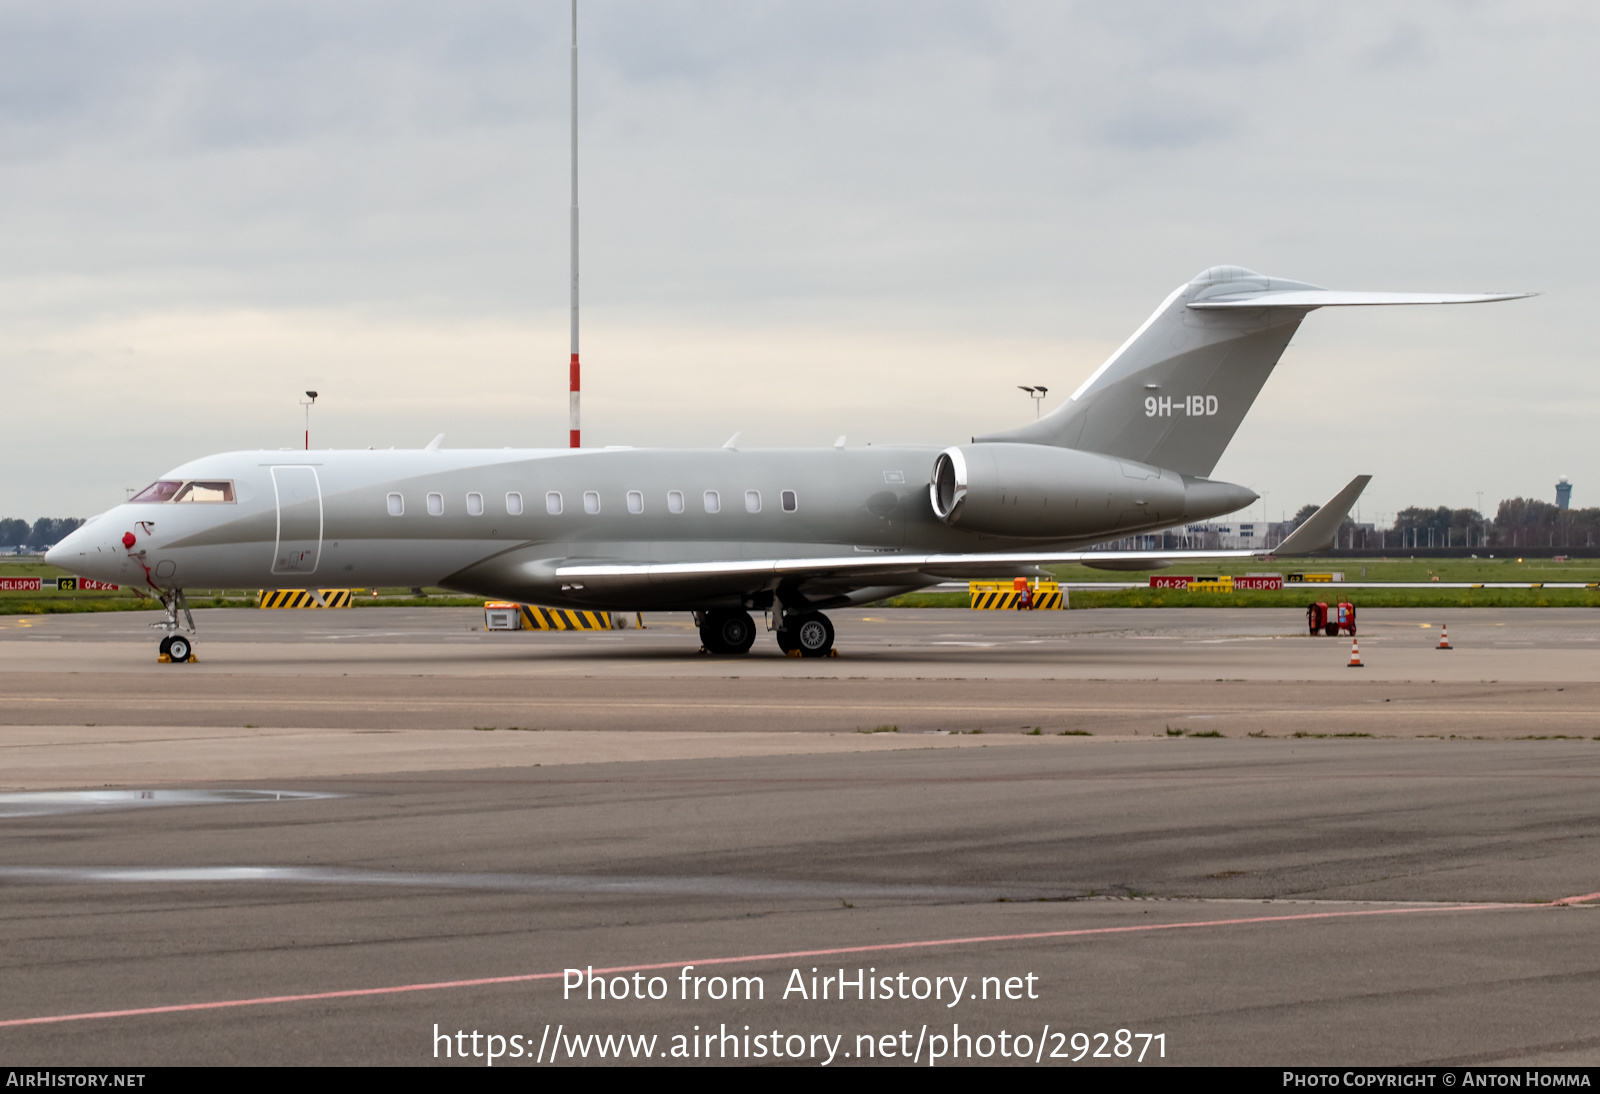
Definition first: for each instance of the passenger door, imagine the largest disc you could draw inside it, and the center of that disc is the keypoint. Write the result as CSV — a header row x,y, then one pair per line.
x,y
299,496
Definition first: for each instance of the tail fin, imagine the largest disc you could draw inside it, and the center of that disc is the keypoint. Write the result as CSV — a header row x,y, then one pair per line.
x,y
1173,395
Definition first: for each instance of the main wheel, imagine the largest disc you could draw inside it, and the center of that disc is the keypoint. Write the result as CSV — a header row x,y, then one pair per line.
x,y
178,648
728,632
786,640
813,635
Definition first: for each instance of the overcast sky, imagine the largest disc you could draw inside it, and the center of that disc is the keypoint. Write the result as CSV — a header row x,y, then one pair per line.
x,y
799,220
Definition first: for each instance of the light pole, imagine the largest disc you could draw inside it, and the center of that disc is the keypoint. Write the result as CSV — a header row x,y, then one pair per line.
x,y
573,422
311,397
1035,392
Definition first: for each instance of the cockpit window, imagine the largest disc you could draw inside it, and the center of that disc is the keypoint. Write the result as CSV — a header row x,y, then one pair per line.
x,y
178,490
205,491
158,491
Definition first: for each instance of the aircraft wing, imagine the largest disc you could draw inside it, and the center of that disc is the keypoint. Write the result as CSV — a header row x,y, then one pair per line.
x,y
1315,534
874,566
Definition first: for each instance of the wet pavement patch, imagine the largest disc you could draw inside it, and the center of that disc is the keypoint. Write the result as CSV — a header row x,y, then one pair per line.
x,y
50,802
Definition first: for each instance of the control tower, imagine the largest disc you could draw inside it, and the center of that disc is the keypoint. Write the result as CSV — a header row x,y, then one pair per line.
x,y
1563,494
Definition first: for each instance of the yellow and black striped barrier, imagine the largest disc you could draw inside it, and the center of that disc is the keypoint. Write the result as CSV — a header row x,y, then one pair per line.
x,y
561,619
1003,596
302,598
1049,599
1222,584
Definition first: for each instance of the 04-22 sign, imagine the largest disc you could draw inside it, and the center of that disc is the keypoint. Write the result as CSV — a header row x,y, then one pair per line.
x,y
1165,406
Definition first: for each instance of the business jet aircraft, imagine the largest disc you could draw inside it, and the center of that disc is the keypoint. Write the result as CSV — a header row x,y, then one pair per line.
x,y
723,532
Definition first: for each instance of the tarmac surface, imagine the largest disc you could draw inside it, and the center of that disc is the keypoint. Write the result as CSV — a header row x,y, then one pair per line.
x,y
342,837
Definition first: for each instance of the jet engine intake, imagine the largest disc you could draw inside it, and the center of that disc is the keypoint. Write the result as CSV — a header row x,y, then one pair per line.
x,y
1043,492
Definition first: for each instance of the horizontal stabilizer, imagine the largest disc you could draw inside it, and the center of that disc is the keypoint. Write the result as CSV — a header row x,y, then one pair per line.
x,y
1317,533
1330,298
1174,393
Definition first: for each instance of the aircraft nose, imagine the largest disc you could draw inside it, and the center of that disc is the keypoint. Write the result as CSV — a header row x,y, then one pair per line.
x,y
57,555
83,552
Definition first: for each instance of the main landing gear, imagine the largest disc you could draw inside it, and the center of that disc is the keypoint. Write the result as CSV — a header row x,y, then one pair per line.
x,y
176,649
729,631
807,634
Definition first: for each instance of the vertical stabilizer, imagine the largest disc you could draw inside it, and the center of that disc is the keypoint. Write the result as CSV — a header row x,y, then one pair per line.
x,y
1173,395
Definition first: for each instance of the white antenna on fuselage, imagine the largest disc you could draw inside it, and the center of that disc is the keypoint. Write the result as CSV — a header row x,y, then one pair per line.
x,y
573,424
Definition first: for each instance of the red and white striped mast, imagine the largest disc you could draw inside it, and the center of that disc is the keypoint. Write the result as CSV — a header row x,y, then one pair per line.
x,y
573,409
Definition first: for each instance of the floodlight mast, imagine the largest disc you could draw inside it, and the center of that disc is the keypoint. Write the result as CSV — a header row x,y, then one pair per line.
x,y
311,397
1036,392
573,423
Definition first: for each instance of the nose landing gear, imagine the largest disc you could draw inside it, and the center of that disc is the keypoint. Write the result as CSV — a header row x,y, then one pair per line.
x,y
175,648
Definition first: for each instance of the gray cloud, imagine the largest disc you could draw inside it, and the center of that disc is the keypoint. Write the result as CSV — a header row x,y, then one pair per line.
x,y
900,174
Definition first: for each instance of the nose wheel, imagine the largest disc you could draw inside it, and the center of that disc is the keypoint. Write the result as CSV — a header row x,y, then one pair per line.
x,y
177,649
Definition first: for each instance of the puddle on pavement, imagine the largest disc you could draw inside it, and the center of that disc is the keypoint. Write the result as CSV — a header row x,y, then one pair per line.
x,y
49,802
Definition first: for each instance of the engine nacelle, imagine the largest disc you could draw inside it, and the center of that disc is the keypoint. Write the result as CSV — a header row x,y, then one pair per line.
x,y
1043,492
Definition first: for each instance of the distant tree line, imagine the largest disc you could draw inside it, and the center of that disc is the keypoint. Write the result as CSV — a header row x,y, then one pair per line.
x,y
1441,527
1528,522
42,533
1519,522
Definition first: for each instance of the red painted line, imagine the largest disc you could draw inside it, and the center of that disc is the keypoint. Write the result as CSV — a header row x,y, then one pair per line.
x,y
1584,899
398,989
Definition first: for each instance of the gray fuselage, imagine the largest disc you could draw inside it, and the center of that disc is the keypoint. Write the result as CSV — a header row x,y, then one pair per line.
x,y
500,522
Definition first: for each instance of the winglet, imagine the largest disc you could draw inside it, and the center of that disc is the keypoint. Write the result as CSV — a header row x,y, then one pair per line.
x,y
733,442
1317,533
433,445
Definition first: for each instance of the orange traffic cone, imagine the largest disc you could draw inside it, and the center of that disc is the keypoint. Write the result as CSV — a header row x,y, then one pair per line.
x,y
1444,638
1355,654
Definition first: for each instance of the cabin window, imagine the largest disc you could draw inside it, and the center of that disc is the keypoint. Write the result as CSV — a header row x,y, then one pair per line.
x,y
635,501
158,491
474,504
205,491
790,502
552,503
752,501
397,505
591,502
713,502
514,504
674,501
436,505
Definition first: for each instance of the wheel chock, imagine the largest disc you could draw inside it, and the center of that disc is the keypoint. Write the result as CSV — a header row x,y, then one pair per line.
x,y
164,659
833,653
793,653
